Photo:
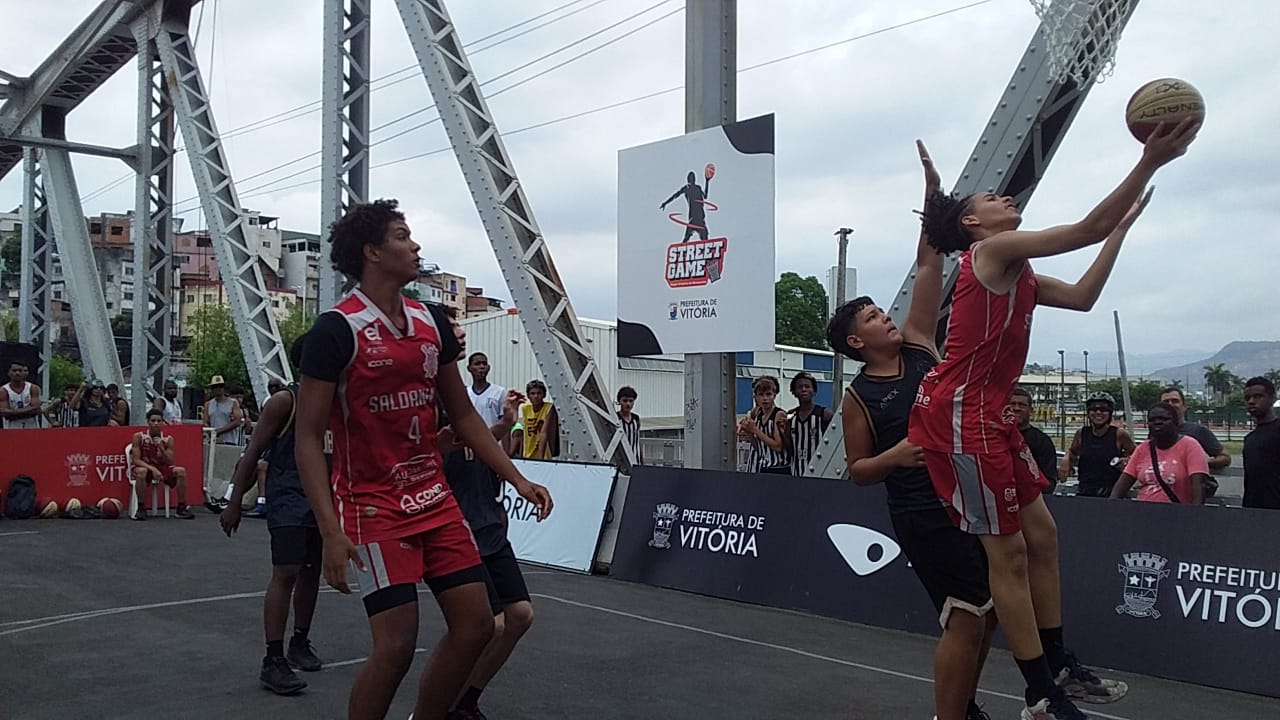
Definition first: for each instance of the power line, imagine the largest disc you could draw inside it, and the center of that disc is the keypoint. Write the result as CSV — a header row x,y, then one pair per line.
x,y
436,119
622,103
310,107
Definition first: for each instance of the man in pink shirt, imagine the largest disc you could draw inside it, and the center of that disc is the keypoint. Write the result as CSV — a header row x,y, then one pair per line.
x,y
1168,467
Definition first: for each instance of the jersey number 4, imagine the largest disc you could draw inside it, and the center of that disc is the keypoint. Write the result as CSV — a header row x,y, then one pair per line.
x,y
415,432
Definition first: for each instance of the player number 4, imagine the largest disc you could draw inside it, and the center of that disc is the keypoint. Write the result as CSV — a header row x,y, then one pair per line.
x,y
415,434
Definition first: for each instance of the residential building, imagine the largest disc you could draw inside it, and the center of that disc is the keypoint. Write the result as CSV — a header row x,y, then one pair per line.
x,y
453,289
479,304
300,266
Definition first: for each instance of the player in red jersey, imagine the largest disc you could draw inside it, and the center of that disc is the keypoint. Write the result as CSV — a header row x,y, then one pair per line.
x,y
371,371
980,467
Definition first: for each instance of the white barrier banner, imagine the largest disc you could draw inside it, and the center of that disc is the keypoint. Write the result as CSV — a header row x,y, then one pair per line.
x,y
569,537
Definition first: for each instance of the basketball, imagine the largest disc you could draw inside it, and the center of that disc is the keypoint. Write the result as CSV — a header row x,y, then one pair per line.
x,y
1167,100
47,507
709,171
110,508
72,504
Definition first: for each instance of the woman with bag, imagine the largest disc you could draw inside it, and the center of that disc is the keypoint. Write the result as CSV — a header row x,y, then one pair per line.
x,y
1168,467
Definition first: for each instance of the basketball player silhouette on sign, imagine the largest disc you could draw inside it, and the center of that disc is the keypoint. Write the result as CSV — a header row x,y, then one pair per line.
x,y
698,203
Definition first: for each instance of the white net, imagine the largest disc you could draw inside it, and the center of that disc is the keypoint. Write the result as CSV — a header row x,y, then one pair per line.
x,y
1081,36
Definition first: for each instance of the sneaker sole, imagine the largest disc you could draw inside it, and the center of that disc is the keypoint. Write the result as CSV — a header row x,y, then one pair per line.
x,y
1078,692
303,668
284,691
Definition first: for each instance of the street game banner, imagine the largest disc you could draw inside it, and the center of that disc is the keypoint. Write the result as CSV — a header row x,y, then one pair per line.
x,y
696,242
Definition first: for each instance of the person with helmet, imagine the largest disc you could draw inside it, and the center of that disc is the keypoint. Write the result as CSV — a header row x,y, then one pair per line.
x,y
1099,449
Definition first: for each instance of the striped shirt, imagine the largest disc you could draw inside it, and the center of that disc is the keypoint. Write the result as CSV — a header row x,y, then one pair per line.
x,y
762,456
806,435
66,415
631,433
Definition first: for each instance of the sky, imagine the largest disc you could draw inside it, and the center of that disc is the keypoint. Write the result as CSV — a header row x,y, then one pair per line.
x,y
1192,269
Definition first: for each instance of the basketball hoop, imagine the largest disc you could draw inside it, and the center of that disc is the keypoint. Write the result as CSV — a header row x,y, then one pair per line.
x,y
1081,36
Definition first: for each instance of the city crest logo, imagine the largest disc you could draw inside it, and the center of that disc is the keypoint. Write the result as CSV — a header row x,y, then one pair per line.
x,y
1142,573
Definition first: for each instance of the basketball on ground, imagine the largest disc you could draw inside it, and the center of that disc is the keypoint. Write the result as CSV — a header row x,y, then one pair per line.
x,y
1167,100
72,505
110,508
47,507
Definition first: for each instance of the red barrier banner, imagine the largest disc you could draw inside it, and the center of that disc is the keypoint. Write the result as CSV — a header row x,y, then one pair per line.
x,y
89,464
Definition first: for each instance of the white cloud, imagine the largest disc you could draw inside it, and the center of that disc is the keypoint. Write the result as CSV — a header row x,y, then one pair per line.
x,y
1192,270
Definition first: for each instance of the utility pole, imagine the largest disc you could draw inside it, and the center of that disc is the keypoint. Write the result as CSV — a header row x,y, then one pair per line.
x,y
710,100
837,361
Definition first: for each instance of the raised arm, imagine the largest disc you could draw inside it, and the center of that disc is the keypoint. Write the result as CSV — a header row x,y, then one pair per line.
x,y
921,327
1163,146
1083,294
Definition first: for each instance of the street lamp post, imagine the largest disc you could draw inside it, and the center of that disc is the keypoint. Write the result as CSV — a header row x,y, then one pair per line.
x,y
1062,398
1086,372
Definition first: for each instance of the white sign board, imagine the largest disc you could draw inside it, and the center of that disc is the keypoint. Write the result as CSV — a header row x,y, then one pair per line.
x,y
569,537
696,242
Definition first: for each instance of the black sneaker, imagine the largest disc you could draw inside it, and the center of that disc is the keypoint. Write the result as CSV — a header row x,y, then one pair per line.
x,y
1081,683
302,655
183,512
1056,707
976,713
279,678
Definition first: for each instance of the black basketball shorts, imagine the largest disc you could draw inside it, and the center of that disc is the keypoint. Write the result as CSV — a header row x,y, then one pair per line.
x,y
950,563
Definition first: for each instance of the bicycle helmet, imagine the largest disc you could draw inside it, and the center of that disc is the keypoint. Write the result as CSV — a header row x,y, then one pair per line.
x,y
1101,397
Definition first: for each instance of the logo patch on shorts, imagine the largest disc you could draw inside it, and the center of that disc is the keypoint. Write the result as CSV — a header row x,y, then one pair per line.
x,y
1010,494
370,511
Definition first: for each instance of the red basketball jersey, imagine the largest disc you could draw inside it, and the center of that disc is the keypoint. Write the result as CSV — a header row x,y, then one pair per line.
x,y
387,477
960,406
152,449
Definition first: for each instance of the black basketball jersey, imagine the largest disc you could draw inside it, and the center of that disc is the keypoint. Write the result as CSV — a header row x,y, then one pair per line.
x,y
887,402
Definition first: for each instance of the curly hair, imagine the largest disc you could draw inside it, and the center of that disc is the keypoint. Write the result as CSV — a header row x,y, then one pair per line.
x,y
802,375
941,220
364,224
843,323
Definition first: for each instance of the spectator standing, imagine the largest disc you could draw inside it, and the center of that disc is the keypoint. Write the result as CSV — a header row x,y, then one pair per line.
x,y
1262,446
1100,448
1040,444
1168,467
1218,458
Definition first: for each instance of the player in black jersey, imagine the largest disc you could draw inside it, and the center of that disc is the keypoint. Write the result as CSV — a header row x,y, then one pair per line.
x,y
876,408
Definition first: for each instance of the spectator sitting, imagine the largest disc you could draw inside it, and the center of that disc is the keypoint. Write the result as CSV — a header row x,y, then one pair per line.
x,y
1168,467
152,456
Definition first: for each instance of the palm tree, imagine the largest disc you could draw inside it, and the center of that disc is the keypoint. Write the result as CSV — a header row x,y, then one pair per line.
x,y
1273,375
1219,380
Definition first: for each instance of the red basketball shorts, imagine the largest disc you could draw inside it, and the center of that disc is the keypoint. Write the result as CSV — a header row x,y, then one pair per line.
x,y
431,554
984,492
166,475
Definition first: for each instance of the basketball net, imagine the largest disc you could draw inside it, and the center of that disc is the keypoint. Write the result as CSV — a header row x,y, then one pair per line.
x,y
1081,36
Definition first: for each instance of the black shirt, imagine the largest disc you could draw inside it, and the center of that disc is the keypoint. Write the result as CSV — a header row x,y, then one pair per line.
x,y
1262,466
1044,452
1098,456
887,403
478,491
287,504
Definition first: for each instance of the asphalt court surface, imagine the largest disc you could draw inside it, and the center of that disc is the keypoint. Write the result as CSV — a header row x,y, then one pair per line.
x,y
118,619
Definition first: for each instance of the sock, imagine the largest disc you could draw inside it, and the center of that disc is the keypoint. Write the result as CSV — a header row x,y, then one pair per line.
x,y
275,648
470,699
974,708
299,635
262,500
1040,684
1051,640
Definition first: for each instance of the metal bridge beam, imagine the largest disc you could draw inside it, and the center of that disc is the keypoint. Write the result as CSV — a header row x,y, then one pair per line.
x,y
152,229
264,355
1011,156
35,315
559,345
344,157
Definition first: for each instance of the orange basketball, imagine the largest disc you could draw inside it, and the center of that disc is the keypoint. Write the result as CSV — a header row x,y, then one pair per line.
x,y
1167,100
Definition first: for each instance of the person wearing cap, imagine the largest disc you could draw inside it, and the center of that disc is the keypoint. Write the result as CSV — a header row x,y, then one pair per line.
x,y
94,409
223,413
1100,449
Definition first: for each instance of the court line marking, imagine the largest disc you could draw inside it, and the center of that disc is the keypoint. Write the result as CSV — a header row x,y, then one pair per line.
x,y
784,648
357,661
89,614
20,532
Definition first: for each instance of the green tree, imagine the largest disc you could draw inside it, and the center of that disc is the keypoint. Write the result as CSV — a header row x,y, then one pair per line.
x,y
215,347
1273,375
292,327
800,308
411,293
63,371
1142,393
122,325
9,326
11,252
1220,380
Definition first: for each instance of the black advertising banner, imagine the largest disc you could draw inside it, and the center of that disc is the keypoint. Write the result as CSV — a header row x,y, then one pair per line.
x,y
1176,591
800,543
1187,593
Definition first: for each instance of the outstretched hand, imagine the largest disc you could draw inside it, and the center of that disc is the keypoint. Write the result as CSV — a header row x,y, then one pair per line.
x,y
1136,209
1168,142
932,180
